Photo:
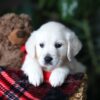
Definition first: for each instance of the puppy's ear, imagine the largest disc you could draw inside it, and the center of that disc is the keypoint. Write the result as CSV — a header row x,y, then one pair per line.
x,y
73,44
30,44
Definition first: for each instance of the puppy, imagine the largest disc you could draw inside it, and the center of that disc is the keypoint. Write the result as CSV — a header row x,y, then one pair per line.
x,y
52,48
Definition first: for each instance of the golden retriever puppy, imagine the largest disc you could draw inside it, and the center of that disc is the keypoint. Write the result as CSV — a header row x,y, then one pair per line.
x,y
52,48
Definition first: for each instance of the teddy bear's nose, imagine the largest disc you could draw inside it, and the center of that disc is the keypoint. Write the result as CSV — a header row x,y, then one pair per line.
x,y
21,34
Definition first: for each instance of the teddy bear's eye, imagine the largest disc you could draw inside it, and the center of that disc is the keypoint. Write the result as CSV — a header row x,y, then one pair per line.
x,y
41,45
58,45
21,34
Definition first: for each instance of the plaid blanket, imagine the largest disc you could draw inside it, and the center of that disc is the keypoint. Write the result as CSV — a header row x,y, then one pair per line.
x,y
14,85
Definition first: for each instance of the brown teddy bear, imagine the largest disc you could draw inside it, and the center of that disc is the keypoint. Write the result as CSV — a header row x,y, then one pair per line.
x,y
14,31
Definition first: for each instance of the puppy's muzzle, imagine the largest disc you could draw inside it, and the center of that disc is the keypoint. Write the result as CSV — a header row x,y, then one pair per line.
x,y
48,59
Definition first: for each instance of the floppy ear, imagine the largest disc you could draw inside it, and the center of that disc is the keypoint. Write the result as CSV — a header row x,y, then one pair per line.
x,y
30,45
73,44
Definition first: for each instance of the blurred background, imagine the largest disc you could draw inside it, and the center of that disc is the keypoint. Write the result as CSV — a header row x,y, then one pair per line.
x,y
82,16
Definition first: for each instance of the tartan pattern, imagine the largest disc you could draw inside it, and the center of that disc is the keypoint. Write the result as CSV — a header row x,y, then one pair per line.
x,y
14,85
11,89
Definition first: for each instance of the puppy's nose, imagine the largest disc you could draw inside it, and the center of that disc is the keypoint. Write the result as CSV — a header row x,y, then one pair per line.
x,y
48,59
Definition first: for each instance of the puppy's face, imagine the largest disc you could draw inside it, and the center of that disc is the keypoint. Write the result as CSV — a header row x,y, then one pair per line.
x,y
51,49
51,44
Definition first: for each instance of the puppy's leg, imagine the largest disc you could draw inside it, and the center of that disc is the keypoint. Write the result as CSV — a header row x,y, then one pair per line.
x,y
32,69
58,76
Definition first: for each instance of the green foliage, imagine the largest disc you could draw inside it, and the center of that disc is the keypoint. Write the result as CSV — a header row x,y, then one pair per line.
x,y
67,8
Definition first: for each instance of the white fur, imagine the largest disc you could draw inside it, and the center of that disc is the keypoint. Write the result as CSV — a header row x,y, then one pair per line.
x,y
58,76
63,61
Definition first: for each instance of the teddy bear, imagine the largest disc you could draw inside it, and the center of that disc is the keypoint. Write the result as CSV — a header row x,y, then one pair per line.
x,y
14,31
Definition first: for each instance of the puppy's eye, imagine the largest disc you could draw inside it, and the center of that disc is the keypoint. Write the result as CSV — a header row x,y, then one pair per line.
x,y
58,45
41,45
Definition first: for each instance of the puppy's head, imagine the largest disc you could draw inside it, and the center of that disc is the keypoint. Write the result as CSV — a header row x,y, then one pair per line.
x,y
51,44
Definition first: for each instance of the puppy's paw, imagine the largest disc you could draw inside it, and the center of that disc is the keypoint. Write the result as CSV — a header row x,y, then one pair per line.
x,y
36,79
57,78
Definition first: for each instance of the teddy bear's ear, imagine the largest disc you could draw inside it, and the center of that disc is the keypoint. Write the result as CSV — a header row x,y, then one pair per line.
x,y
73,44
30,45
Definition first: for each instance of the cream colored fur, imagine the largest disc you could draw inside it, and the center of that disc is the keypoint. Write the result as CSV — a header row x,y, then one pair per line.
x,y
63,62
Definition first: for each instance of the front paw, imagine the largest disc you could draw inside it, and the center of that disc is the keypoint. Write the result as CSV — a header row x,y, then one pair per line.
x,y
35,79
57,78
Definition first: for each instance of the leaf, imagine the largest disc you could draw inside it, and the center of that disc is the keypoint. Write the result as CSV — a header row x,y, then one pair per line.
x,y
67,8
41,3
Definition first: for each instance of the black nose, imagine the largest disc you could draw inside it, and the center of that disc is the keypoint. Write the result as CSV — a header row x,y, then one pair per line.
x,y
48,59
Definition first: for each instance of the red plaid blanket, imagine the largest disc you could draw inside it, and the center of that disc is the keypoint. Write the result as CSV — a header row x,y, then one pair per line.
x,y
15,86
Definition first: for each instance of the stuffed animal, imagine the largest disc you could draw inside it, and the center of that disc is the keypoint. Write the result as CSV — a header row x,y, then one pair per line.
x,y
14,31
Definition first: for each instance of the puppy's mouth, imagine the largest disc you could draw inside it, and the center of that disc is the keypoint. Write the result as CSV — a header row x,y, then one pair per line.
x,y
49,66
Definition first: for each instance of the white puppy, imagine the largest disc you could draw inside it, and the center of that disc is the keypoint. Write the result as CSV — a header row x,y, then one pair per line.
x,y
52,47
